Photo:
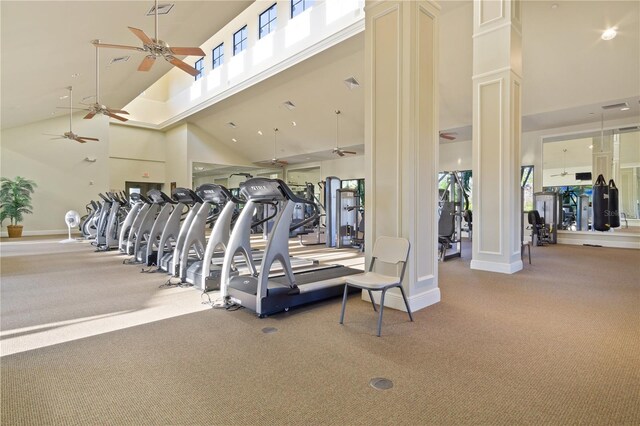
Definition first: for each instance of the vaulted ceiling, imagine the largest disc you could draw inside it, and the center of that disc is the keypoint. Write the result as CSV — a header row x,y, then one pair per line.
x,y
569,72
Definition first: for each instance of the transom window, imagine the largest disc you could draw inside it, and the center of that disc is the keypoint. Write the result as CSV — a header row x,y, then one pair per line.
x,y
267,21
240,40
200,67
218,56
299,6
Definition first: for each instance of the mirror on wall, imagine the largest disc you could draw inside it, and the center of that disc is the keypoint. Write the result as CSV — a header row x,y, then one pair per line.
x,y
571,164
229,176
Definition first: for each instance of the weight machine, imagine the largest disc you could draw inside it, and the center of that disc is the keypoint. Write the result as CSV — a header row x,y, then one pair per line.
x,y
453,203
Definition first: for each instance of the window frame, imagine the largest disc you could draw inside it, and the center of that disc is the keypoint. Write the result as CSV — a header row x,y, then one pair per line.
x,y
200,68
220,57
271,24
243,41
306,4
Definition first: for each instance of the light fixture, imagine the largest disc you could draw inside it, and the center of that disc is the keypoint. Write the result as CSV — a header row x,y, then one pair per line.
x,y
75,75
351,83
198,168
63,97
590,146
294,124
625,109
163,9
260,132
609,34
554,6
234,140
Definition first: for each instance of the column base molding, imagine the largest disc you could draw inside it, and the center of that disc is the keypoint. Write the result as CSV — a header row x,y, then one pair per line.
x,y
503,268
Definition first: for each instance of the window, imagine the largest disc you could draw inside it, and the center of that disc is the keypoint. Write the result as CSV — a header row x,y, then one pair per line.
x,y
218,56
267,21
200,67
299,6
357,185
526,182
240,40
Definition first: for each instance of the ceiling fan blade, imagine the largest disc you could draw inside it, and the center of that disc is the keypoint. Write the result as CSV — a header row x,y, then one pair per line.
x,y
348,152
118,46
187,51
90,115
117,117
85,138
184,66
116,111
340,153
447,136
79,140
141,35
58,138
147,63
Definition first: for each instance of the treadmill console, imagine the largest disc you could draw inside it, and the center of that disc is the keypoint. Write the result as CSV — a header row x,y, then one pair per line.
x,y
216,194
186,196
260,188
158,197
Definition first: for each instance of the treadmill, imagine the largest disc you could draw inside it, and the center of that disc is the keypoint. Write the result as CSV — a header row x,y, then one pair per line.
x,y
205,274
148,249
125,229
267,295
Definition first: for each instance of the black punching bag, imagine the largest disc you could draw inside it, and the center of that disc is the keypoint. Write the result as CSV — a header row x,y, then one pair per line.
x,y
600,204
614,215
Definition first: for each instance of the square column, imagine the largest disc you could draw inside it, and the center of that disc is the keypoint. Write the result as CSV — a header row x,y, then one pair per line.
x,y
497,82
401,139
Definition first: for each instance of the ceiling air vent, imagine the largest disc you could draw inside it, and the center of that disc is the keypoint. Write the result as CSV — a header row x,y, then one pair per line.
x,y
119,59
629,129
163,9
616,106
288,105
351,83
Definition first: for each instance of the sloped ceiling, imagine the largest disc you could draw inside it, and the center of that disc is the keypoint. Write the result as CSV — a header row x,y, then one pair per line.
x,y
569,72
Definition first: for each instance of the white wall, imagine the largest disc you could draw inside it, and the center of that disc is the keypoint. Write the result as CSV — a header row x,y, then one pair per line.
x,y
65,180
135,155
177,167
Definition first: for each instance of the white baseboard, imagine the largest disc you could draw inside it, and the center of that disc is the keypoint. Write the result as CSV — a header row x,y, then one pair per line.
x,y
393,299
41,233
502,268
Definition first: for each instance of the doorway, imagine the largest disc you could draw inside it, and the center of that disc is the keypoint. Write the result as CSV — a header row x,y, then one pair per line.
x,y
141,187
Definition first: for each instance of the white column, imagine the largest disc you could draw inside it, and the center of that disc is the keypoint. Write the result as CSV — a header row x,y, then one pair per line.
x,y
497,77
401,138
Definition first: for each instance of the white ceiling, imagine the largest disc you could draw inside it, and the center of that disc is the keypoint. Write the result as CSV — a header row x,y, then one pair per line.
x,y
44,42
568,71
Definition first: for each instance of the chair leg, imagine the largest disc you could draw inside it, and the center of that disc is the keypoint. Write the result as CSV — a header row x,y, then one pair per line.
x,y
406,303
381,310
344,303
372,302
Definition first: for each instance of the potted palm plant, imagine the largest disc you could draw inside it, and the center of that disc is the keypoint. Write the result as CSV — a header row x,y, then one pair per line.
x,y
15,202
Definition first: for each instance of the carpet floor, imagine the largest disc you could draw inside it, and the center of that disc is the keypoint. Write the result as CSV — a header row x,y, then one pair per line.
x,y
87,340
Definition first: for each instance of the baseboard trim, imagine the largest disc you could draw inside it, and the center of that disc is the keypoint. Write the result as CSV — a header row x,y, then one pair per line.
x,y
502,268
41,233
393,299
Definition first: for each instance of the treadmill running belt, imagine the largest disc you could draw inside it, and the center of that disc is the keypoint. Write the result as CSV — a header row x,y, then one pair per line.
x,y
312,276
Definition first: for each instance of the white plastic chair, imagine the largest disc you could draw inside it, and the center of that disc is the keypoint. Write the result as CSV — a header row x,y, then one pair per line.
x,y
389,250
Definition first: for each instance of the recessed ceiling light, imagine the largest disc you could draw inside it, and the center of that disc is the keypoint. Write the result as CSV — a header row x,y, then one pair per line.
x,y
352,83
234,140
163,9
294,124
231,124
609,34
590,146
260,132
554,6
63,97
625,109
75,75
289,105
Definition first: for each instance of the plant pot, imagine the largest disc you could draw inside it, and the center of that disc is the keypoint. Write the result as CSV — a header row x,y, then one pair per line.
x,y
14,231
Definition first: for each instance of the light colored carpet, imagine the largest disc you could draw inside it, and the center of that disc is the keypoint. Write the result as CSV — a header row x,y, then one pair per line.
x,y
558,343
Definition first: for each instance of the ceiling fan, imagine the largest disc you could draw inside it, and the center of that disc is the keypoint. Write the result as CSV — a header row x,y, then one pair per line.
x,y
97,107
154,48
337,150
274,161
564,170
450,136
70,135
